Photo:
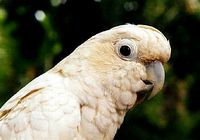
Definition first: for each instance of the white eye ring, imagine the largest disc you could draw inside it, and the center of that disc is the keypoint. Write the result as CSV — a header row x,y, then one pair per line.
x,y
126,49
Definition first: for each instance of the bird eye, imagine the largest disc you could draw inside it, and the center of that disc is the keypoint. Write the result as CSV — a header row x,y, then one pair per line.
x,y
126,49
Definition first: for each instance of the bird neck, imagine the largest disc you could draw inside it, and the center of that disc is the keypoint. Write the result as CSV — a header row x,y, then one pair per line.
x,y
100,118
100,114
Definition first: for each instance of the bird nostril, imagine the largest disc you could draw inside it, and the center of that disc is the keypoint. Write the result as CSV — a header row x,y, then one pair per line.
x,y
147,82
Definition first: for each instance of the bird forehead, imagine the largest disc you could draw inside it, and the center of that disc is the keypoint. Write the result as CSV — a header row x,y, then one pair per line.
x,y
117,33
133,32
128,31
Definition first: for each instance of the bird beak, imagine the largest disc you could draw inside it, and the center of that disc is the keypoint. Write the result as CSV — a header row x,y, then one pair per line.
x,y
156,76
153,83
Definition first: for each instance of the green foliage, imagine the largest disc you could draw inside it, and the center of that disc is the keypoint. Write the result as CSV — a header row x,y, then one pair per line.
x,y
35,35
7,44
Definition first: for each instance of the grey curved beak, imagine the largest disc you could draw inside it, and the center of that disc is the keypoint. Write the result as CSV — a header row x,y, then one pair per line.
x,y
156,75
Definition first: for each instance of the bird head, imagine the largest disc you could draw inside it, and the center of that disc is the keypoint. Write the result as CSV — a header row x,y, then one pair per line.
x,y
127,61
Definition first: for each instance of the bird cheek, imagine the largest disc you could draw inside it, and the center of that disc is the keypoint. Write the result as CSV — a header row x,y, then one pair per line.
x,y
126,100
137,86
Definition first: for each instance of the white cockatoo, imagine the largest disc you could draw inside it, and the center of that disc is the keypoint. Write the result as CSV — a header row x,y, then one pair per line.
x,y
87,94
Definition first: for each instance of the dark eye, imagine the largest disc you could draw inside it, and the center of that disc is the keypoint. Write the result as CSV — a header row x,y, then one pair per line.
x,y
125,50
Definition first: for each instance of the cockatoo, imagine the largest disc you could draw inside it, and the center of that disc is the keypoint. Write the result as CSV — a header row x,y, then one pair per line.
x,y
87,94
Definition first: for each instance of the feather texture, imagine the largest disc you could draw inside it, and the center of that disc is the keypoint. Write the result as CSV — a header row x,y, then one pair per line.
x,y
87,94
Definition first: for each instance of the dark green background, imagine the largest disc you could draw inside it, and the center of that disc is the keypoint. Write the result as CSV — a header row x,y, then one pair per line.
x,y
29,47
